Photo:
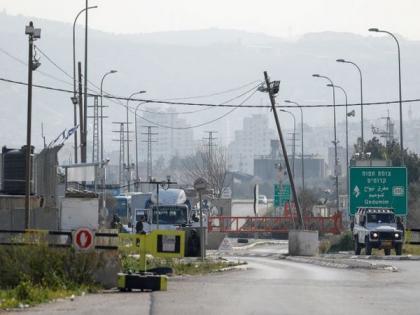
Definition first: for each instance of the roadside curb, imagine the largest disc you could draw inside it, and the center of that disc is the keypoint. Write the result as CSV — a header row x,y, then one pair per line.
x,y
258,243
371,257
342,263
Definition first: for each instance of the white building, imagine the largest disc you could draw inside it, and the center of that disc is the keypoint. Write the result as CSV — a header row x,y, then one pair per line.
x,y
168,139
251,141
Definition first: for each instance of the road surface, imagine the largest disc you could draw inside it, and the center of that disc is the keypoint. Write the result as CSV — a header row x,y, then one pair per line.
x,y
268,286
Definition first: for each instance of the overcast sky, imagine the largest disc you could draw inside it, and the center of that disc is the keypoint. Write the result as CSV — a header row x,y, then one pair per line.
x,y
282,18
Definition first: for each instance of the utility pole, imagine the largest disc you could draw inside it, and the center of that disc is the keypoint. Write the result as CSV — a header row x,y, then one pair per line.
x,y
149,141
122,140
81,115
95,130
34,34
85,77
210,146
272,89
210,143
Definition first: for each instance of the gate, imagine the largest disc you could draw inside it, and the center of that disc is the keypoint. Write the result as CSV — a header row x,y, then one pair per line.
x,y
225,224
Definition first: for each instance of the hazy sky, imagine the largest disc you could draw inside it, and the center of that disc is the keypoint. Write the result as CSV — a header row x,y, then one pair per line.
x,y
282,18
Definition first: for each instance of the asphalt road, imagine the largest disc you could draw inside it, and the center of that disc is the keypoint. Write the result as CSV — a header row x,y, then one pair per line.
x,y
268,286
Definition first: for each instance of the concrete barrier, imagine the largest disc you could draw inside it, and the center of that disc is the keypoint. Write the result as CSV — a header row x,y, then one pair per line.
x,y
214,240
303,243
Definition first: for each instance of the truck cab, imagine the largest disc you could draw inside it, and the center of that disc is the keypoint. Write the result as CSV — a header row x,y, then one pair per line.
x,y
376,228
170,211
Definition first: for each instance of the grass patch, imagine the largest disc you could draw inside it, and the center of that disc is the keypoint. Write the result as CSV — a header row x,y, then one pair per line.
x,y
33,274
26,294
409,249
344,242
184,266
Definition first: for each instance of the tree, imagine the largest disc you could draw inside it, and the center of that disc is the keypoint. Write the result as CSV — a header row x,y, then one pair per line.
x,y
392,152
210,165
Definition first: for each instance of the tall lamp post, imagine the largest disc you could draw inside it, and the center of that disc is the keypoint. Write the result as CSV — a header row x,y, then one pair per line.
x,y
335,136
301,136
137,148
74,97
294,138
399,85
128,141
33,34
347,125
102,112
361,99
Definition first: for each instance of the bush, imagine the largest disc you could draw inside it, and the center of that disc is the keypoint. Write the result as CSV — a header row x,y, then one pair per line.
x,y
344,243
41,265
324,246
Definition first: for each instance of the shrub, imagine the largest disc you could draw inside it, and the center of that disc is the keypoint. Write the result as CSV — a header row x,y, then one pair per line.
x,y
41,265
344,243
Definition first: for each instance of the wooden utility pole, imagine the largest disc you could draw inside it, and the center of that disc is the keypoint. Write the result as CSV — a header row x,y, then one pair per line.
x,y
301,224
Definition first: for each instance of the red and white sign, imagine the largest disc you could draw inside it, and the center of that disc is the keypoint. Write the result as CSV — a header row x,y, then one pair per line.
x,y
83,239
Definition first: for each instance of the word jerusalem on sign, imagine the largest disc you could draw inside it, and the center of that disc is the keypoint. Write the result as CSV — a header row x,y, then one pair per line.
x,y
384,187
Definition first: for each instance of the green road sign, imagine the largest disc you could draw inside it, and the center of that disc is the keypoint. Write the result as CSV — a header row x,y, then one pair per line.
x,y
281,194
384,187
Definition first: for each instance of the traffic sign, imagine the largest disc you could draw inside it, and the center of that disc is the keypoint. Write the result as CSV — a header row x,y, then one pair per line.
x,y
384,187
200,184
281,194
83,239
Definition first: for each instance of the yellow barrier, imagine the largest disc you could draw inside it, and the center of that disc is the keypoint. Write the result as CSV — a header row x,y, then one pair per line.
x,y
158,243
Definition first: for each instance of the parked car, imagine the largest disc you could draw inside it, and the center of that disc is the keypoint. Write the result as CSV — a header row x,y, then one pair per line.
x,y
262,199
376,228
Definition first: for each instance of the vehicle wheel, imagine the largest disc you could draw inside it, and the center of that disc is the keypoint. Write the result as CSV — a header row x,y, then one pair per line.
x,y
398,249
368,248
357,247
387,251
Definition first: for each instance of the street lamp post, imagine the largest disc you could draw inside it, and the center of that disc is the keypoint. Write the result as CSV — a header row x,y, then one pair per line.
x,y
301,136
399,85
102,112
128,141
137,148
361,100
347,136
347,125
335,136
294,138
74,98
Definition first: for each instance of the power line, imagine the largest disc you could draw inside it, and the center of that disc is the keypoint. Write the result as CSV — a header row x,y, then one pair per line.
x,y
53,63
209,104
39,71
199,110
215,93
202,124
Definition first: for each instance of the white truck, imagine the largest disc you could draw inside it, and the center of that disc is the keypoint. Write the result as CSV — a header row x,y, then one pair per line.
x,y
171,210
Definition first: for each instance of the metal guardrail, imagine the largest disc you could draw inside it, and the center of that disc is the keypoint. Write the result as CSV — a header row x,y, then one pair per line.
x,y
64,239
228,224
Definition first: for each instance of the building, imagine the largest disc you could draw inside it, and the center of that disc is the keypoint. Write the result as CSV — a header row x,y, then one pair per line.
x,y
341,160
170,137
249,142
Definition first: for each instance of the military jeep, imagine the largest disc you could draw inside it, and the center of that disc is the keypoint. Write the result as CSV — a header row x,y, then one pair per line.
x,y
376,228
